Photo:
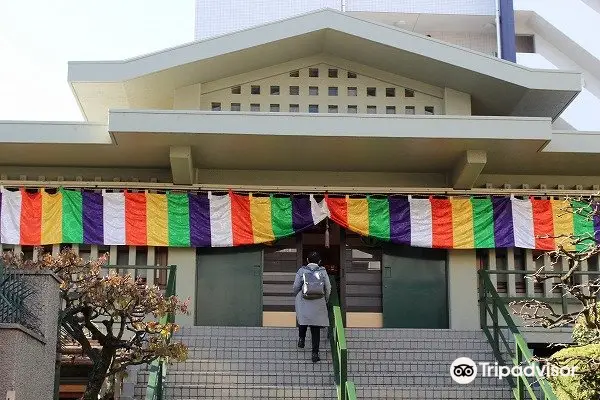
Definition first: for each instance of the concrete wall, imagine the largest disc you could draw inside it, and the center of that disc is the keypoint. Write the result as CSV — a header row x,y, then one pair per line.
x,y
185,259
462,290
27,358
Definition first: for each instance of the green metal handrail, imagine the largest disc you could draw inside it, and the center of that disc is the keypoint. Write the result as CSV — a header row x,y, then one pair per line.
x,y
339,349
158,368
490,305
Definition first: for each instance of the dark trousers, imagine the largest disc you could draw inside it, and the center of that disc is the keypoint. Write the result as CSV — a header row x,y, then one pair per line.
x,y
315,335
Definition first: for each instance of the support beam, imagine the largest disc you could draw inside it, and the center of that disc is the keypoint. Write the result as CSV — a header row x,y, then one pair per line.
x,y
182,165
468,168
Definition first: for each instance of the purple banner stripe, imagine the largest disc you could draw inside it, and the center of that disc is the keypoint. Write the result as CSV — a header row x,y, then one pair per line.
x,y
596,217
399,220
93,218
301,213
199,220
503,222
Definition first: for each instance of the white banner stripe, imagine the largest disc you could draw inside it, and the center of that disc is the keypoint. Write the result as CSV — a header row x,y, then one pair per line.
x,y
421,225
319,210
113,214
10,218
522,214
221,231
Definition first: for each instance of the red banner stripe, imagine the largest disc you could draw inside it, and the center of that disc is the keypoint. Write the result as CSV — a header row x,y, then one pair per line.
x,y
442,233
135,219
31,218
241,222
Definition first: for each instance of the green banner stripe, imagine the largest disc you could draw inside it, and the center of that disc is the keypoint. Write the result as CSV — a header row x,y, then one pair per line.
x,y
179,219
281,216
583,224
379,218
72,216
483,223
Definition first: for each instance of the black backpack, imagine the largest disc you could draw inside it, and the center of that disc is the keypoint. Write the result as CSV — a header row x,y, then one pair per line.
x,y
313,283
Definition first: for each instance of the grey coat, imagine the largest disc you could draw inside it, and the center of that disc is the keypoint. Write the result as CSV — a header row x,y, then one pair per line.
x,y
311,312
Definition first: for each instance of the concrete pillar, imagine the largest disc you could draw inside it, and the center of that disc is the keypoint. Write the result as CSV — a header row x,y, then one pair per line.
x,y
462,290
185,259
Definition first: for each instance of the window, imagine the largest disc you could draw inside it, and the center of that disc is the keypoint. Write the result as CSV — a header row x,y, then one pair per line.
x,y
254,107
294,108
275,90
409,110
313,90
351,75
371,92
236,90
332,109
390,92
371,109
294,74
409,93
313,108
525,44
274,108
352,91
429,110
333,72
313,72
236,107
352,109
254,89
215,106
390,110
333,91
294,90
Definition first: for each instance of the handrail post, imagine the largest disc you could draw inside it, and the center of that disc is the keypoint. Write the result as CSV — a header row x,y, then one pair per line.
x,y
496,326
343,371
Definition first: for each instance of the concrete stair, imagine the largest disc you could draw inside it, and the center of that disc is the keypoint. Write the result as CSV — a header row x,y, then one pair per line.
x,y
415,364
246,363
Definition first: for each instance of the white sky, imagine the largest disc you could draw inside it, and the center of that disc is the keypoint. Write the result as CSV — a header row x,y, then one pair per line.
x,y
39,37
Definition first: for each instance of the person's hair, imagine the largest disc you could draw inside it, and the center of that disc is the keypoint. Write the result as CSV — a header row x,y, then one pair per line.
x,y
314,257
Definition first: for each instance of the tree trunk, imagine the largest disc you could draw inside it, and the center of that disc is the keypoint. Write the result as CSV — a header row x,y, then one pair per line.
x,y
98,373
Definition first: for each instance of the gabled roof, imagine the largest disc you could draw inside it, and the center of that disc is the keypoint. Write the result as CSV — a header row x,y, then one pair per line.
x,y
497,87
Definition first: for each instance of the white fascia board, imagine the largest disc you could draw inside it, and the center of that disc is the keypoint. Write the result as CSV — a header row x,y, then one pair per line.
x,y
331,125
50,132
401,40
573,142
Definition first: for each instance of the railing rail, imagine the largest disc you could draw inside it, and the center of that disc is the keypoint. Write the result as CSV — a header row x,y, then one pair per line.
x,y
491,307
339,349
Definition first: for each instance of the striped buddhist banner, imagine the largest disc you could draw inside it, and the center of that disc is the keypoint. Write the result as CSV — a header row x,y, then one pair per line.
x,y
232,219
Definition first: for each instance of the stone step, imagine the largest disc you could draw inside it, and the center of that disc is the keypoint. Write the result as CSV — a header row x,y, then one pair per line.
x,y
236,331
410,378
300,365
419,334
188,392
244,342
411,344
262,355
458,392
388,356
242,378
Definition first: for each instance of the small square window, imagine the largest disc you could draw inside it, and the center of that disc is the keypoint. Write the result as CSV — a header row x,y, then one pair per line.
x,y
332,109
333,72
254,107
333,91
274,108
236,90
390,110
371,92
429,110
295,74
409,93
313,90
294,108
390,92
275,90
236,107
352,109
351,75
294,90
313,72
313,108
371,109
254,89
409,110
215,106
352,91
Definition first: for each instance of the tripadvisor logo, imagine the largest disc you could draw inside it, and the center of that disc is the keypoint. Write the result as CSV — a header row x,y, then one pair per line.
x,y
463,370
